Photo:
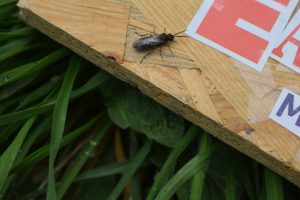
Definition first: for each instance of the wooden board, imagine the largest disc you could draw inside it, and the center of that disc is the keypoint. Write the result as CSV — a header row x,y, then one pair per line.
x,y
212,90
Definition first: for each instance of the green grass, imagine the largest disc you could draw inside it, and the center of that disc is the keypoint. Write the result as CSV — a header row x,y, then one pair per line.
x,y
60,118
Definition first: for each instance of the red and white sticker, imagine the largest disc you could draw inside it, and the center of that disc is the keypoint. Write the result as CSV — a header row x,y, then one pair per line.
x,y
246,30
287,49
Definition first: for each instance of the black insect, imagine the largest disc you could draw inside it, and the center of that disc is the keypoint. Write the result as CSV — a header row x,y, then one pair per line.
x,y
151,42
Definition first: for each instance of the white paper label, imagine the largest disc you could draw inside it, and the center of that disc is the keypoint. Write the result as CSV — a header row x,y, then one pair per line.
x,y
287,111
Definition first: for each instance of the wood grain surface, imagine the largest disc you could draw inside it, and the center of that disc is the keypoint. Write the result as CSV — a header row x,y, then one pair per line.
x,y
212,90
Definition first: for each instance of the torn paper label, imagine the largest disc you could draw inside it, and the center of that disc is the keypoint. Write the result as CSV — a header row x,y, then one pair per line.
x,y
287,49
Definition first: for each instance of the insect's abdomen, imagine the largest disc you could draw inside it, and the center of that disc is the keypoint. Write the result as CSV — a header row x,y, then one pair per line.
x,y
147,43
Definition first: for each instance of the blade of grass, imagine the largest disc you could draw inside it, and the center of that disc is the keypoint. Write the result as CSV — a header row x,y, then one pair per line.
x,y
8,157
97,80
8,130
6,186
9,22
230,189
10,46
7,11
197,186
181,177
256,178
6,2
43,152
273,185
27,69
93,83
58,122
20,115
40,92
15,87
163,175
36,194
199,178
245,177
134,165
26,31
107,170
135,184
185,173
41,127
25,147
83,156
13,51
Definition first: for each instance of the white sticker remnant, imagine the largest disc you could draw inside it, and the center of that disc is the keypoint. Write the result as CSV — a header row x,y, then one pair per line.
x,y
287,49
287,111
245,30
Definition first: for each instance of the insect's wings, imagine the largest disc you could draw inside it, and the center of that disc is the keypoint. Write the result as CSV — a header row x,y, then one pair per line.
x,y
147,43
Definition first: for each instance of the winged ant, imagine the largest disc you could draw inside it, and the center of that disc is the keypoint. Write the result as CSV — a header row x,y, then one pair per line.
x,y
151,42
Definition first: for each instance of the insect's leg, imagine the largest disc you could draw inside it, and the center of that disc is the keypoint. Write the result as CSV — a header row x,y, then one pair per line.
x,y
148,34
182,36
160,51
170,49
147,54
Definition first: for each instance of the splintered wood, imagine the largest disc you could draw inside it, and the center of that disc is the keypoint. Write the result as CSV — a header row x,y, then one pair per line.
x,y
212,90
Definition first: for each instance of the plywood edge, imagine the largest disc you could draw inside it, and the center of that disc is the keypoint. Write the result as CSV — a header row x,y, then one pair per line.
x,y
238,141
23,4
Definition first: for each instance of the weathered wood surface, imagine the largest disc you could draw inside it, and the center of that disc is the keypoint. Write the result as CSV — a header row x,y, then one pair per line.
x,y
210,89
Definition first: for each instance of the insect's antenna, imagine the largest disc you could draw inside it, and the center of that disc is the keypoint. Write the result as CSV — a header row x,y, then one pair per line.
x,y
178,33
164,29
